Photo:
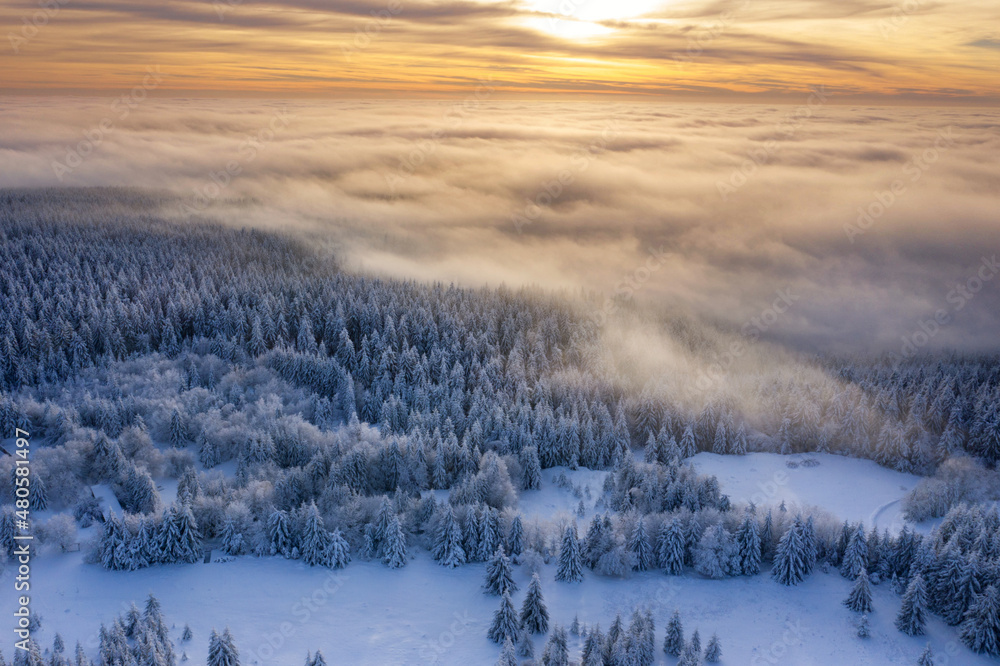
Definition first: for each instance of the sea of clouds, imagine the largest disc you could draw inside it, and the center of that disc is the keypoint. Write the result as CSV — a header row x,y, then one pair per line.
x,y
845,228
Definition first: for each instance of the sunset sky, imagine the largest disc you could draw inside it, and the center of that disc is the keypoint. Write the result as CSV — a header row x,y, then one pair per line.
x,y
911,50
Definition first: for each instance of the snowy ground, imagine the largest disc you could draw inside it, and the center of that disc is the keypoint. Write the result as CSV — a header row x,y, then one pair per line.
x,y
426,614
850,488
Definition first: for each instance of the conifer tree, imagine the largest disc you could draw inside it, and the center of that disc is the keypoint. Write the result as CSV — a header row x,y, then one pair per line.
x,y
980,630
860,598
339,555
748,547
671,548
713,651
395,545
499,579
515,538
556,651
447,548
639,546
926,657
507,655
856,555
534,615
789,559
673,642
222,650
504,625
913,614
570,567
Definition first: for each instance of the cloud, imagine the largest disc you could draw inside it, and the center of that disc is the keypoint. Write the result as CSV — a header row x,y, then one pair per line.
x,y
865,213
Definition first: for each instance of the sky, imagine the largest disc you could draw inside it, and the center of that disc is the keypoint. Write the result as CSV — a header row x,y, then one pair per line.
x,y
914,51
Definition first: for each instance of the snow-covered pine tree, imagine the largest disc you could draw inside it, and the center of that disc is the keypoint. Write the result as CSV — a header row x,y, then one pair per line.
x,y
395,545
980,630
860,598
504,626
531,469
315,538
279,532
507,655
187,547
515,538
864,629
556,651
499,578
534,615
789,559
670,547
713,651
232,538
748,546
339,553
570,567
856,555
222,650
673,642
638,545
926,657
525,647
716,553
447,548
913,613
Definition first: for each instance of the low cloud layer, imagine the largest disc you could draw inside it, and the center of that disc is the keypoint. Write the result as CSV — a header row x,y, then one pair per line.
x,y
826,228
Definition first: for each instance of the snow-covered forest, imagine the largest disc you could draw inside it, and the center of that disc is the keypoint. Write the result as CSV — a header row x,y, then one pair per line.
x,y
202,395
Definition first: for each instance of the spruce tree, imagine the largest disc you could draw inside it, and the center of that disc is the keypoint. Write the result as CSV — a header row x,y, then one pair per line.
x,y
531,469
556,651
980,630
638,545
856,555
447,548
926,657
789,559
395,545
499,579
507,655
673,642
913,614
222,650
860,598
570,567
534,615
339,555
748,546
504,625
713,651
315,539
671,548
515,539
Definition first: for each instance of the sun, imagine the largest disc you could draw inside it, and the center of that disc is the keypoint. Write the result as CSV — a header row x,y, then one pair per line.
x,y
573,19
